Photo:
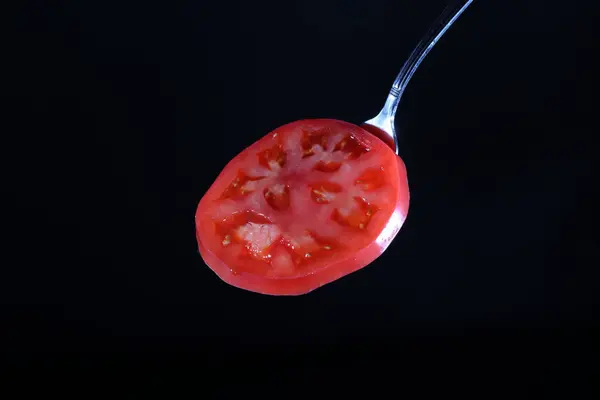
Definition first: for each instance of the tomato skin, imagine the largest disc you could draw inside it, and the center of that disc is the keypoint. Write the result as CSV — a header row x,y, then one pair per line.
x,y
303,283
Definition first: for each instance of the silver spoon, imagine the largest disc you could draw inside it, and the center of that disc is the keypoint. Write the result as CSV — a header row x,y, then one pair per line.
x,y
383,124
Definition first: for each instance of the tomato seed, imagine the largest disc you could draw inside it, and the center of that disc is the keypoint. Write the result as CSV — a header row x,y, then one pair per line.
x,y
242,185
278,197
330,166
273,158
352,146
371,179
324,192
312,139
227,240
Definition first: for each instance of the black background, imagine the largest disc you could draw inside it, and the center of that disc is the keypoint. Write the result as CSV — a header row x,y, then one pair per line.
x,y
121,114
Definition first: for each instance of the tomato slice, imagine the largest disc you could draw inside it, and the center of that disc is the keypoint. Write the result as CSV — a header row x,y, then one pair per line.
x,y
305,205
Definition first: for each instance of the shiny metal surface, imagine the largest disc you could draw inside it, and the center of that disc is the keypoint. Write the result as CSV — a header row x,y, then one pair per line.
x,y
382,125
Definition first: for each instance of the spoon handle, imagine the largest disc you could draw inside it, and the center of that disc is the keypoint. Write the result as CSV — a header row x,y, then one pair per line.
x,y
436,31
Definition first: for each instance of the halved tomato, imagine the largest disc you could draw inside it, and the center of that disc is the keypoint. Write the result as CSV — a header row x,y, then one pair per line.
x,y
308,203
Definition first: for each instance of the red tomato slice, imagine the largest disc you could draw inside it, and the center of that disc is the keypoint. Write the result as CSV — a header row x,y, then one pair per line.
x,y
305,205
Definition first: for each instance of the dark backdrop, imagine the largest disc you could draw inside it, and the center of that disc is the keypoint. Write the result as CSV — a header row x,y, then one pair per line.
x,y
121,114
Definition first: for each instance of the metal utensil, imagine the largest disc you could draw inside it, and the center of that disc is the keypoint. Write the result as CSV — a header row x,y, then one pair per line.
x,y
383,124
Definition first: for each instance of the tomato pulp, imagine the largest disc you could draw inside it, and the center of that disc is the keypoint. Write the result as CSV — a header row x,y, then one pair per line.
x,y
305,205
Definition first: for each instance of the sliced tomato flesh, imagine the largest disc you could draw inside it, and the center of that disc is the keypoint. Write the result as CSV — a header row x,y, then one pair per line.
x,y
272,158
241,186
324,192
306,204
